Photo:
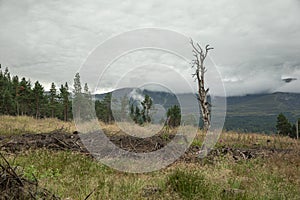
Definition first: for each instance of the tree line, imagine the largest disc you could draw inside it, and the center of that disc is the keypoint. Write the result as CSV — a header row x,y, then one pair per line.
x,y
18,96
142,115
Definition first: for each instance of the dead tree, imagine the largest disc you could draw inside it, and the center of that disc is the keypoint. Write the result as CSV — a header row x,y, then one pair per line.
x,y
199,75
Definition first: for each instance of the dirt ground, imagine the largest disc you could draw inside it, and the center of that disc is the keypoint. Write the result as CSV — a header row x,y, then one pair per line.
x,y
14,186
71,142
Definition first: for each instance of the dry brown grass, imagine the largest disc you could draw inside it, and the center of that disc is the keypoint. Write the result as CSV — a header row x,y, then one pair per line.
x,y
247,140
24,124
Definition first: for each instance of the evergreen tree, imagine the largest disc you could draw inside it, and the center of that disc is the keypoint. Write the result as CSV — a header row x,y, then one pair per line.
x,y
15,93
6,99
86,88
64,95
38,92
53,99
82,102
8,103
87,93
25,94
103,109
283,125
138,117
77,100
174,116
18,98
77,85
132,112
99,109
147,104
108,115
141,116
124,108
87,103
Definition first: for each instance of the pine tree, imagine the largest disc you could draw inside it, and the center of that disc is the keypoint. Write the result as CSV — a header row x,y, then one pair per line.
x,y
26,97
82,102
18,98
124,107
15,93
64,94
108,117
77,100
8,103
283,125
87,93
86,88
38,92
147,104
138,118
52,99
132,112
6,99
103,109
77,85
174,116
98,109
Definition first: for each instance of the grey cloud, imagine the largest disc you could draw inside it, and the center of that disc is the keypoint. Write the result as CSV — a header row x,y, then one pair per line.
x,y
256,42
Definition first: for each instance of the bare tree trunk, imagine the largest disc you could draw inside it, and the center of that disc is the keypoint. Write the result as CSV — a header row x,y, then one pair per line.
x,y
200,70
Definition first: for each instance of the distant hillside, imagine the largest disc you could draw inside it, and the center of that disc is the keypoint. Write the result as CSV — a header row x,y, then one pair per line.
x,y
258,113
250,113
163,98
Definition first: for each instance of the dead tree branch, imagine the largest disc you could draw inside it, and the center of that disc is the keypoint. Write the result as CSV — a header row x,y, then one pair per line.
x,y
199,75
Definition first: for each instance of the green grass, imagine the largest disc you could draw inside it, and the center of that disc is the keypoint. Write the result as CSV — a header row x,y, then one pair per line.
x,y
191,185
74,175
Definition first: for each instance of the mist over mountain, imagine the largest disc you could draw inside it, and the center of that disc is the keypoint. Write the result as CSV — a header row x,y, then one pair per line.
x,y
249,113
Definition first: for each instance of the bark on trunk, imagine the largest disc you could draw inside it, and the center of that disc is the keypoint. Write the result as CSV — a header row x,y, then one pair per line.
x,y
200,70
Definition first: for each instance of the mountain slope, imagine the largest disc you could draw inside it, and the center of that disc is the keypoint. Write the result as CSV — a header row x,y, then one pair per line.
x,y
250,113
258,113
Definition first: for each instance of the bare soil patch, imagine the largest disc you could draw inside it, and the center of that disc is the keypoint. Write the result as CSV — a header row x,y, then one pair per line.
x,y
71,142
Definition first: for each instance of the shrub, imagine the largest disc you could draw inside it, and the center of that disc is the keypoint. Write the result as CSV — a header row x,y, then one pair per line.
x,y
189,185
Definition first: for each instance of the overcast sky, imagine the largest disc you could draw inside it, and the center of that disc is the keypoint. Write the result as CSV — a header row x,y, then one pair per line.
x,y
257,42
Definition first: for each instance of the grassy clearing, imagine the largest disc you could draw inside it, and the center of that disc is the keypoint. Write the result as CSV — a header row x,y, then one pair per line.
x,y
73,175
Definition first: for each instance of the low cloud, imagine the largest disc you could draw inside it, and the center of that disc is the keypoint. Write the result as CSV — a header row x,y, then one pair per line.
x,y
256,42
